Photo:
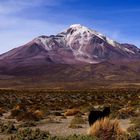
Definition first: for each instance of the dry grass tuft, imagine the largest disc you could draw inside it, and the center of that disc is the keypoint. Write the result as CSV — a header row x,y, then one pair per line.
x,y
27,116
71,112
20,107
127,112
39,114
2,111
23,114
78,119
106,129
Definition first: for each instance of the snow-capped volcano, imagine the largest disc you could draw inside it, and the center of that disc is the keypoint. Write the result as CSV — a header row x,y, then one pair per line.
x,y
75,45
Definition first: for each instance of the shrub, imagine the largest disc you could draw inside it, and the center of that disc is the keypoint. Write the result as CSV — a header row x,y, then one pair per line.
x,y
7,128
134,129
18,110
14,113
75,126
76,137
27,116
20,107
125,113
106,129
133,135
136,122
71,112
2,111
22,114
39,114
29,134
78,119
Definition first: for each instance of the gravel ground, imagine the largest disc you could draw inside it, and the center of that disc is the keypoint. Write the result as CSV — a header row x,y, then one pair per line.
x,y
60,126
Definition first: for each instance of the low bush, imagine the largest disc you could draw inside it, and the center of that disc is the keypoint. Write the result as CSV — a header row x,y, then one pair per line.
x,y
76,137
106,129
7,127
125,113
133,135
2,111
29,134
22,114
75,126
78,119
71,112
134,130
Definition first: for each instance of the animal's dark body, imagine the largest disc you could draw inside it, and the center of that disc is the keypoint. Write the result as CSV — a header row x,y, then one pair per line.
x,y
97,115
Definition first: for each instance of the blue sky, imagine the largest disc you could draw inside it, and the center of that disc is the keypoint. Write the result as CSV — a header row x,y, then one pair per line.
x,y
23,20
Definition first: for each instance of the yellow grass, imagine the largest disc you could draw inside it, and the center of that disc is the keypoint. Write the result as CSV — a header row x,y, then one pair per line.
x,y
106,129
2,111
71,112
38,114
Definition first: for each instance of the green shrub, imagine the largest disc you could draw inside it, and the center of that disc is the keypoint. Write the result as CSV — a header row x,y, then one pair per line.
x,y
125,113
78,119
7,128
29,134
75,126
76,137
133,135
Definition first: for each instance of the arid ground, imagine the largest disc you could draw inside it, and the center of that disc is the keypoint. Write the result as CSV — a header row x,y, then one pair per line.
x,y
63,113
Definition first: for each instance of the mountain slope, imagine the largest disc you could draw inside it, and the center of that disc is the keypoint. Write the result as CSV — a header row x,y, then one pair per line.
x,y
76,55
66,76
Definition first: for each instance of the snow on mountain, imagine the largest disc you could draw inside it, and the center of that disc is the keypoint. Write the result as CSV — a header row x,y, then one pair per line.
x,y
77,44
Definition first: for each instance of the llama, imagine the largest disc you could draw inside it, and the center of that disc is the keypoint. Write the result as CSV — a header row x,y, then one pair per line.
x,y
97,115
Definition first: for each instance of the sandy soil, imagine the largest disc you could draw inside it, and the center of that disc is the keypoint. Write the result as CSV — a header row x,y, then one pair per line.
x,y
60,126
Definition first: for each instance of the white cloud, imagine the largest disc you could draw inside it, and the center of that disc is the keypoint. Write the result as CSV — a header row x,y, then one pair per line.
x,y
13,6
18,31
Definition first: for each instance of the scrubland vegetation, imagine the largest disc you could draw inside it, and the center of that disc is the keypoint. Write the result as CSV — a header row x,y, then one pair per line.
x,y
25,113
